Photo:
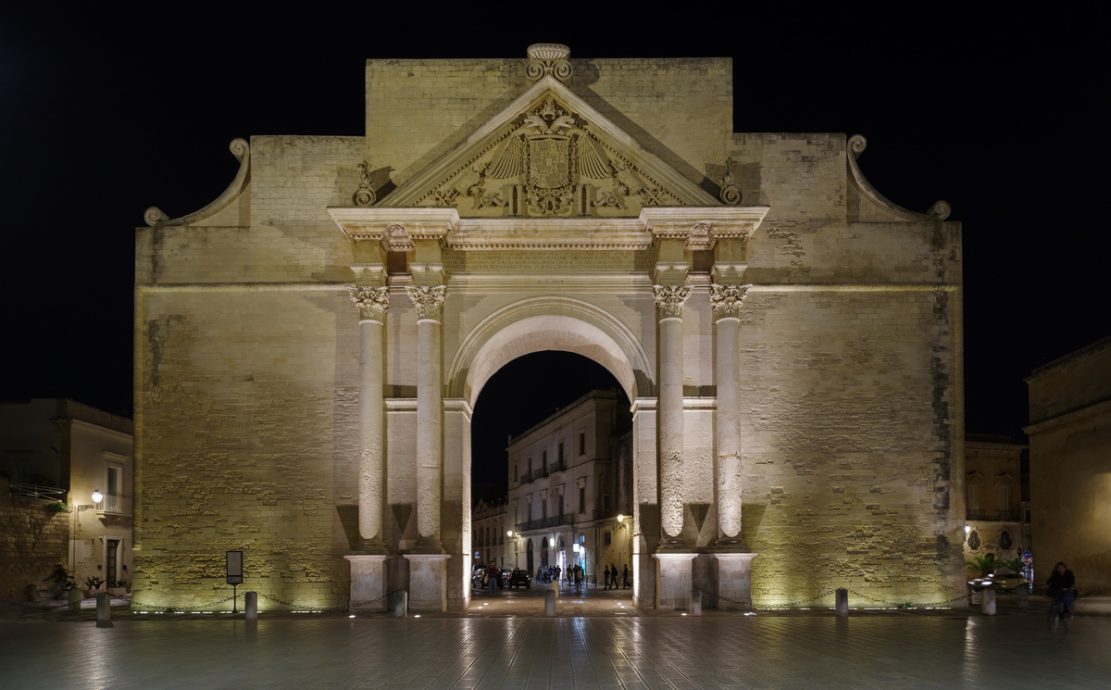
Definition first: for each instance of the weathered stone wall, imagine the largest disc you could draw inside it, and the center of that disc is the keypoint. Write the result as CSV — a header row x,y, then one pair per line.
x,y
247,400
33,539
846,435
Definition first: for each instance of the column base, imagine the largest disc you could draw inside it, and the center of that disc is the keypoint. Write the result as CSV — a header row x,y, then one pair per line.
x,y
735,581
368,582
673,580
427,582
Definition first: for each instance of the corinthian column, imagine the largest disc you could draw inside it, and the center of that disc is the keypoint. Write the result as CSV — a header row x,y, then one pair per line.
x,y
726,301
373,303
429,301
669,311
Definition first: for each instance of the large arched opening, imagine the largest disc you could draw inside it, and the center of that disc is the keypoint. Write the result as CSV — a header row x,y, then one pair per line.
x,y
567,476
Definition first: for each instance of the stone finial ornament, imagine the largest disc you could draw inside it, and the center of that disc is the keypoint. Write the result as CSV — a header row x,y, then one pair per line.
x,y
726,300
549,59
429,300
373,302
364,196
730,194
670,300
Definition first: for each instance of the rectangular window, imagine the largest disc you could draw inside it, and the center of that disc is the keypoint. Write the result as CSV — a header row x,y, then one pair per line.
x,y
606,538
514,473
582,443
606,504
544,509
112,489
530,511
560,458
561,505
582,499
544,459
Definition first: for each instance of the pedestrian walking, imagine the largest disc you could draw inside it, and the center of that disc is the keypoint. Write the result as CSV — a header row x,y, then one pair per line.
x,y
607,576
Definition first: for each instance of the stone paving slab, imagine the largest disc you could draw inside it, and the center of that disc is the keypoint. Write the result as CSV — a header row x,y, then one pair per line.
x,y
817,651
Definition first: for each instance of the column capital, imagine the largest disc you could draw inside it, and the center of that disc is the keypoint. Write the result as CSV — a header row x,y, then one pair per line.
x,y
726,300
670,300
372,302
429,300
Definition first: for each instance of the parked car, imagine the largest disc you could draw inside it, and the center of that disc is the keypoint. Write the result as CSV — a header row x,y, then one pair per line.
x,y
1001,579
520,578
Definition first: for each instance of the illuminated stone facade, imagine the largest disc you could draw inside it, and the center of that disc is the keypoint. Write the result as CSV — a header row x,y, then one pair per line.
x,y
1070,466
61,450
994,499
309,347
568,481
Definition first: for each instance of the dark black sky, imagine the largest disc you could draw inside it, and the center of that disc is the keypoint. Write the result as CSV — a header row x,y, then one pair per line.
x,y
102,115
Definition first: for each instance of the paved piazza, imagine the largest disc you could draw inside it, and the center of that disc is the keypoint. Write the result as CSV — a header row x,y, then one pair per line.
x,y
764,651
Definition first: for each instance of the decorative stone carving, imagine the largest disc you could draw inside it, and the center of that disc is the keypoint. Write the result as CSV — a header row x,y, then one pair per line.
x,y
729,193
726,300
546,59
855,146
477,191
445,197
373,302
670,300
699,238
239,148
429,300
364,196
397,238
549,161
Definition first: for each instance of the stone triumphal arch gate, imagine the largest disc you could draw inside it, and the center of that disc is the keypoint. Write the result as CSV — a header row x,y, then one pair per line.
x,y
309,347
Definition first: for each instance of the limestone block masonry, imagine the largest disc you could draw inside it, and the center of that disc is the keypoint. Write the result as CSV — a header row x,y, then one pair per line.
x,y
790,341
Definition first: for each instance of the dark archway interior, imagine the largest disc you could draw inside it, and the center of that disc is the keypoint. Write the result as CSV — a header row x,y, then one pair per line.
x,y
519,395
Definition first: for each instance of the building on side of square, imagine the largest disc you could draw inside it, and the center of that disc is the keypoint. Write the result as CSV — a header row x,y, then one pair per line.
x,y
1070,466
488,534
63,452
790,342
995,498
569,480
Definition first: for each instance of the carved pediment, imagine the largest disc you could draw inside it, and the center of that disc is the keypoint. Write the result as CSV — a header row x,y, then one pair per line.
x,y
550,155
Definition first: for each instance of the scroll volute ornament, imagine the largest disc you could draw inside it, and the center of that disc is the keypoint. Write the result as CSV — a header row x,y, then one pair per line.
x,y
546,59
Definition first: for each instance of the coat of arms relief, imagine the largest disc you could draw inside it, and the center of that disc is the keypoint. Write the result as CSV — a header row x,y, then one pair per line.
x,y
549,162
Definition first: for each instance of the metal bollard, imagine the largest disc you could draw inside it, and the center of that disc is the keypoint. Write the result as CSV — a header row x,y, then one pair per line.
x,y
842,602
696,602
399,603
988,606
549,603
250,603
103,610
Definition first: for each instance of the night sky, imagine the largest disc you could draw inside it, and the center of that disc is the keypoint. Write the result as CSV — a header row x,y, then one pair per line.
x,y
103,115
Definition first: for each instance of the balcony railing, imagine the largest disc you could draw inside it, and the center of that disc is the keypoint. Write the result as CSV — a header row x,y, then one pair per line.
x,y
544,523
116,505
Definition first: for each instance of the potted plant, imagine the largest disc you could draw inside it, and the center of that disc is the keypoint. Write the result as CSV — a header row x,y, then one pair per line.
x,y
92,584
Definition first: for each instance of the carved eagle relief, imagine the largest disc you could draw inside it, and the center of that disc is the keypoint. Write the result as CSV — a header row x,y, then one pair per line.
x,y
549,162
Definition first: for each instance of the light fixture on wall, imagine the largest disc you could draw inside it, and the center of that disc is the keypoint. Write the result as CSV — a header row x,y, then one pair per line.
x,y
97,496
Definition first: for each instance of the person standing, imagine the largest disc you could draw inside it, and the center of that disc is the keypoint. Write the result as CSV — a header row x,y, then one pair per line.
x,y
625,576
607,577
613,574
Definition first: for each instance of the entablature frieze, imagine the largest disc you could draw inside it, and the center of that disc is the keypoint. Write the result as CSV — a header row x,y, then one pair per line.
x,y
398,228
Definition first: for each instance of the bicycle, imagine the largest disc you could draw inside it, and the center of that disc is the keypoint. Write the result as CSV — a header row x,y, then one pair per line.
x,y
1060,609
